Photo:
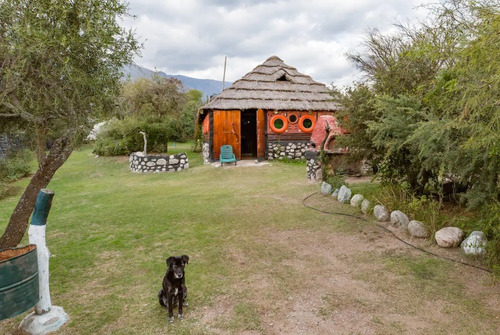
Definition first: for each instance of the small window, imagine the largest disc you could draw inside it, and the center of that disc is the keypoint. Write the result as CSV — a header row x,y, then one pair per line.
x,y
282,78
293,118
278,123
307,123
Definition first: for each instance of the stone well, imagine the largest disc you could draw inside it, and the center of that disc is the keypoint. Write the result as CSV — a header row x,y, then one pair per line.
x,y
157,163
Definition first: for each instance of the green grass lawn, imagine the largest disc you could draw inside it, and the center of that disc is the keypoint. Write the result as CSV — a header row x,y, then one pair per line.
x,y
249,240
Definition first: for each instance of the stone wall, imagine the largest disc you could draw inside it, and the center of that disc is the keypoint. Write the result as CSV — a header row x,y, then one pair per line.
x,y
313,166
289,150
4,145
141,163
9,144
205,152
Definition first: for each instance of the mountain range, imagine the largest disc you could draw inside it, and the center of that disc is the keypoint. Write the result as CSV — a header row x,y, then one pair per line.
x,y
209,87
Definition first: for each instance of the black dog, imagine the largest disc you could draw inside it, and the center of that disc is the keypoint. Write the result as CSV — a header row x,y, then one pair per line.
x,y
174,289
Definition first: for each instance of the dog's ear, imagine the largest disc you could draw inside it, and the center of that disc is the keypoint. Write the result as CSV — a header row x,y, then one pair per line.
x,y
170,260
185,259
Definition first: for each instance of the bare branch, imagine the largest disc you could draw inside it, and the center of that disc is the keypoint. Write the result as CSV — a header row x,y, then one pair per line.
x,y
17,113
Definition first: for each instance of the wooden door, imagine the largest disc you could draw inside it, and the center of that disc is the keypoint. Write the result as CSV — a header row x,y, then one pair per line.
x,y
227,130
261,135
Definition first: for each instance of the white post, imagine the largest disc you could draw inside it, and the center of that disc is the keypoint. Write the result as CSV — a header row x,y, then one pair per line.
x,y
145,142
224,75
37,236
46,318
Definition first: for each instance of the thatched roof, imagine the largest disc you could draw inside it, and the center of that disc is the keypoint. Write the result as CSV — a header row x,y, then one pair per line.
x,y
274,85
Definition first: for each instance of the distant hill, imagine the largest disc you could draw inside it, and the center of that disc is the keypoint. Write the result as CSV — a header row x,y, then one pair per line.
x,y
207,86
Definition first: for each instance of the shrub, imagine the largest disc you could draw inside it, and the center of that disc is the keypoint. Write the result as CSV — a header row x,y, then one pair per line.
x,y
16,165
121,137
490,223
335,180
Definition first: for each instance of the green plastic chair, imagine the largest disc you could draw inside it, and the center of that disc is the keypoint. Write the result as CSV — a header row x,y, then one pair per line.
x,y
226,155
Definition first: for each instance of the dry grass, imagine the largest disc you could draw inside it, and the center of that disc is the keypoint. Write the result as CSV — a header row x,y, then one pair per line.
x,y
260,262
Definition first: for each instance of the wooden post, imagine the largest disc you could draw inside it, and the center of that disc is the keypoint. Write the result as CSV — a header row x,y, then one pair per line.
x,y
46,318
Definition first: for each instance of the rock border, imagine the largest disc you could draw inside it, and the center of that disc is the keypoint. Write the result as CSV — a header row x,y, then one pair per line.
x,y
415,228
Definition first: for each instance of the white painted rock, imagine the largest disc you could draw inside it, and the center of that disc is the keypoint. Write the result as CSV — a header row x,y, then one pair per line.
x,y
335,193
417,229
449,237
344,195
381,213
356,200
365,206
399,219
326,188
474,244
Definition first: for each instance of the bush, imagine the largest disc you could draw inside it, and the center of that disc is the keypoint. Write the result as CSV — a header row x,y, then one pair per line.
x,y
16,165
490,223
335,180
122,137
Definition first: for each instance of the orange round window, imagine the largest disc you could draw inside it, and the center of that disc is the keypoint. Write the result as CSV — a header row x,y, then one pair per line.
x,y
307,123
278,123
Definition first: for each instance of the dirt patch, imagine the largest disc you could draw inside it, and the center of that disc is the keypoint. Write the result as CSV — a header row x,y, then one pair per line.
x,y
10,253
339,283
121,159
224,305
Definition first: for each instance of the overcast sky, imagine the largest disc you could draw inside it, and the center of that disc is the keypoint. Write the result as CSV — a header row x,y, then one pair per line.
x,y
191,37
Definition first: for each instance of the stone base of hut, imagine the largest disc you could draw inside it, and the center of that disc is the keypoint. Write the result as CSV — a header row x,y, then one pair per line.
x,y
155,164
205,152
287,150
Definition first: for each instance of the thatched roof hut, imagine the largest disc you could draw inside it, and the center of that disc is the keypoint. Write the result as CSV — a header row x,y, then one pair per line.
x,y
274,85
274,103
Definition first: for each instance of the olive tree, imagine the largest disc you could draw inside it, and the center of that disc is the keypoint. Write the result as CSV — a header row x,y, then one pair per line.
x,y
60,66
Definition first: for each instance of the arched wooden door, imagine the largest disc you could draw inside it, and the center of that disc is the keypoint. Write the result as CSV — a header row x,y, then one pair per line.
x,y
227,130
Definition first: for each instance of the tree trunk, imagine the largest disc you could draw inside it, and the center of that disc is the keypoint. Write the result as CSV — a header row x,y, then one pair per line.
x,y
41,143
18,222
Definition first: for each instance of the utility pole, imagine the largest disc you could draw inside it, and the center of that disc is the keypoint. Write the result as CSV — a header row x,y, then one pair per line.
x,y
224,75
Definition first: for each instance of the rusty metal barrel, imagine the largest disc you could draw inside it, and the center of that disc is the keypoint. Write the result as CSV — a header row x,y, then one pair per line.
x,y
18,280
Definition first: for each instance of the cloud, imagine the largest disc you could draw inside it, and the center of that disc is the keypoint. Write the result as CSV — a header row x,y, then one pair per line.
x,y
191,37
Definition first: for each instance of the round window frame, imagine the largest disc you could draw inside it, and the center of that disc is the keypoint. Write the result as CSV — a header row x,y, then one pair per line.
x,y
278,130
301,123
290,118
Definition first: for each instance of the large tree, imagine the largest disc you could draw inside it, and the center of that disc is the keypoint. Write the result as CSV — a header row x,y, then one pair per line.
x,y
429,109
60,66
156,97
